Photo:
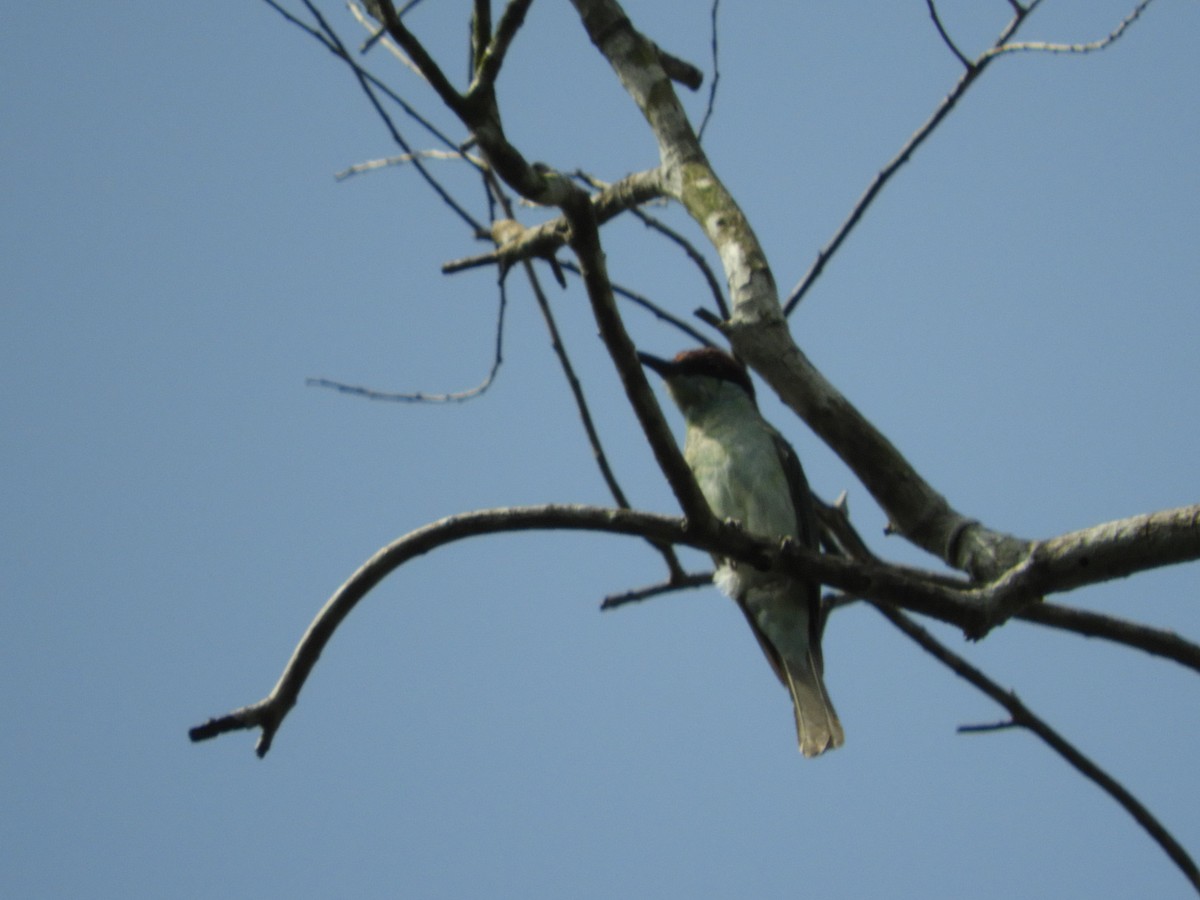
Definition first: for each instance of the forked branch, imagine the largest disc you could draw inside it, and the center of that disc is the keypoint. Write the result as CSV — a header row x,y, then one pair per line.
x,y
1023,717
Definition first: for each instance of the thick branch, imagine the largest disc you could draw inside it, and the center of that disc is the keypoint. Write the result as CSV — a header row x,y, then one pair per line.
x,y
758,329
1093,555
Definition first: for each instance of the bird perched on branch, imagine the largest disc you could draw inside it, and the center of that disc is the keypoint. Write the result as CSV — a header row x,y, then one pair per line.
x,y
750,474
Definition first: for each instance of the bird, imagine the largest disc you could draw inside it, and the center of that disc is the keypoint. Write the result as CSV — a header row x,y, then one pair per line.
x,y
749,474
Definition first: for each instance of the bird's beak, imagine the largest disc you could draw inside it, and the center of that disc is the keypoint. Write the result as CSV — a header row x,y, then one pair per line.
x,y
661,366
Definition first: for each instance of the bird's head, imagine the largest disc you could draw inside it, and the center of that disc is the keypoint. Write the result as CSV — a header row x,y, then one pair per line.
x,y
698,378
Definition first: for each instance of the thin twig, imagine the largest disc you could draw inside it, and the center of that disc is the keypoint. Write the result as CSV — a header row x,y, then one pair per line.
x,y
674,568
374,165
693,254
683,581
329,39
488,65
378,35
421,396
973,71
712,87
1089,47
1025,718
946,39
650,306
974,68
1155,641
656,224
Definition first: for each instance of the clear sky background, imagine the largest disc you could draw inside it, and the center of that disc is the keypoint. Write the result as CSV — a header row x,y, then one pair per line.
x,y
1018,313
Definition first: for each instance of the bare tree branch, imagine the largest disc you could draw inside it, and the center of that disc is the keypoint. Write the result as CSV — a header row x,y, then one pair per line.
x,y
693,254
374,165
651,307
1023,717
722,538
1089,47
329,39
676,583
1154,641
712,88
421,396
542,240
946,39
841,537
674,568
540,184
968,78
680,70
585,241
425,64
488,63
758,330
1092,555
676,238
891,585
269,713
974,68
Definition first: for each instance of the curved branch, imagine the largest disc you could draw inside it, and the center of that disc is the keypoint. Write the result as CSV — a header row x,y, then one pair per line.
x,y
945,35
269,713
725,539
893,585
693,254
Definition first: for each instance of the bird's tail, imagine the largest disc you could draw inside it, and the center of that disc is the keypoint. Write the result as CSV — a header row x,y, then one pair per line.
x,y
817,725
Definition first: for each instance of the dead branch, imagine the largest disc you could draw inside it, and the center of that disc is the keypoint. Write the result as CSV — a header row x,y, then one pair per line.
x,y
723,538
1154,641
544,239
1023,717
1101,553
1089,47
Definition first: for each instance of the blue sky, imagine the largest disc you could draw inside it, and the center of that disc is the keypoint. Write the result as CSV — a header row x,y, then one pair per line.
x,y
1018,313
